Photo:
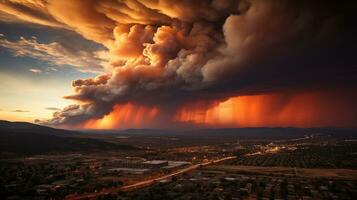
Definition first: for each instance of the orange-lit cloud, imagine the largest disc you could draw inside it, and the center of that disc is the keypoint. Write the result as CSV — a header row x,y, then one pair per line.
x,y
301,109
124,116
169,54
33,11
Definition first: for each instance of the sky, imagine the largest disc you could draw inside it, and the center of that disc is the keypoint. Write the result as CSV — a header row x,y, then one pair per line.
x,y
108,64
33,81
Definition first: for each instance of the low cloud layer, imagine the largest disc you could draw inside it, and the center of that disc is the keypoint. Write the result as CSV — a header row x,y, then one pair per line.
x,y
163,56
53,108
20,111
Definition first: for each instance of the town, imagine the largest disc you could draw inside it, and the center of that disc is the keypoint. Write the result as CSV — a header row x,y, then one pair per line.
x,y
311,167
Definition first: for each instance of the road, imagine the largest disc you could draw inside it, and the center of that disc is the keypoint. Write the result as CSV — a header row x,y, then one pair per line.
x,y
146,183
168,176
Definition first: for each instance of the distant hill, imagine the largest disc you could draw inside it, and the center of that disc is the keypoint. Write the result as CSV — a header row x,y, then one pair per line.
x,y
22,138
24,127
276,132
250,132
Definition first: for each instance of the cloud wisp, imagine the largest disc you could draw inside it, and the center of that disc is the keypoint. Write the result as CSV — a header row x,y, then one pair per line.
x,y
53,108
55,53
21,111
36,71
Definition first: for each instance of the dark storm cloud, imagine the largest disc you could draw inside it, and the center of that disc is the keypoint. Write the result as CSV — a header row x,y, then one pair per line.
x,y
161,54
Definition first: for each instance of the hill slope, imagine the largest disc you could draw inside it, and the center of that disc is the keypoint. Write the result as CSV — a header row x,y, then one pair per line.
x,y
23,127
21,138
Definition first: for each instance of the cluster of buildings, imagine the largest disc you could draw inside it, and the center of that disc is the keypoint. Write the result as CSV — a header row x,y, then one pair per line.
x,y
140,166
275,187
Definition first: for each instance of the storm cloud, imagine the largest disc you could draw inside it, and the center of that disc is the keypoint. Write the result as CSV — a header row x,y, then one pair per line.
x,y
168,52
